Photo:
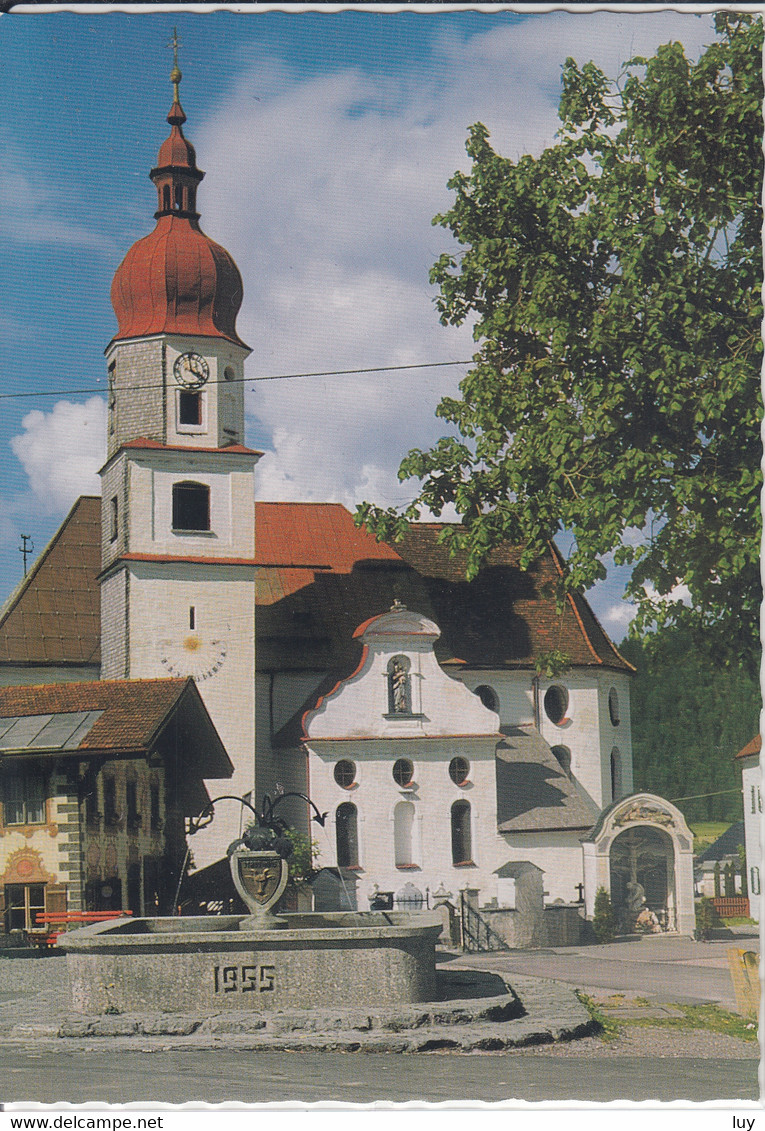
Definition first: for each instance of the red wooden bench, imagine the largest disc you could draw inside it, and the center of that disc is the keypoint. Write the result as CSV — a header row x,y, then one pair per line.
x,y
55,923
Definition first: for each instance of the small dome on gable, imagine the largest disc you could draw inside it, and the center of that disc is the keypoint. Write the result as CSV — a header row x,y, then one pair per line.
x,y
398,622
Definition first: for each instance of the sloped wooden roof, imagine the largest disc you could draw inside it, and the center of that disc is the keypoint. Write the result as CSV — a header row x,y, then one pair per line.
x,y
54,615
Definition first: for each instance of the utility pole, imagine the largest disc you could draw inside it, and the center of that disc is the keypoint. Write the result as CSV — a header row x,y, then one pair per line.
x,y
25,549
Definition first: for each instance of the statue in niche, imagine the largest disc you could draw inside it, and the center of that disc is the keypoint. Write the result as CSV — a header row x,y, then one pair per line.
x,y
399,686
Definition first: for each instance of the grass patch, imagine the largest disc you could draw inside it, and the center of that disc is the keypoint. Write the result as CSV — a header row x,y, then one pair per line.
x,y
706,833
609,1028
711,1018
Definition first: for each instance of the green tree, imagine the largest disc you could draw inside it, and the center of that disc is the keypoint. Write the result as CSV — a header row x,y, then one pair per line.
x,y
615,285
603,919
693,718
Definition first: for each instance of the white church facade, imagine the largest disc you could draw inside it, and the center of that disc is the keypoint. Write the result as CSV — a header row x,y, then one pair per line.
x,y
405,701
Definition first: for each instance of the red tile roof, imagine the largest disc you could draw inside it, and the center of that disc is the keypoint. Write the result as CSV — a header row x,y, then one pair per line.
x,y
751,748
317,577
155,445
54,616
316,535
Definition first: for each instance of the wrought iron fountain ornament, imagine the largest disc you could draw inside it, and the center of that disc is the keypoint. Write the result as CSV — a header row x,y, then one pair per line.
x,y
258,859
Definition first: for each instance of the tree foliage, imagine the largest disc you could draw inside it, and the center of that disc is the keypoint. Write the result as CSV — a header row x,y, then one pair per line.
x,y
615,286
693,718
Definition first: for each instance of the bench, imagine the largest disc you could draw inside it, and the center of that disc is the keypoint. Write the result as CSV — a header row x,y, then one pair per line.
x,y
51,924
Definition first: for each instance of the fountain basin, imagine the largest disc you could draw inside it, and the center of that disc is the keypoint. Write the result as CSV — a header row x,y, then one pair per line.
x,y
316,960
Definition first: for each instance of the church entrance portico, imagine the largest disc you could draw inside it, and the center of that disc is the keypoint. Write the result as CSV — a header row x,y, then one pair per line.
x,y
641,852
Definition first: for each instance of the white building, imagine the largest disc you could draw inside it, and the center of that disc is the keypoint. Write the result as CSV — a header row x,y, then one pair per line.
x,y
748,760
438,752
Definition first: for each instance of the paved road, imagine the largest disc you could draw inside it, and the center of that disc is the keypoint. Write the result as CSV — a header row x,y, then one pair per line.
x,y
665,968
256,1077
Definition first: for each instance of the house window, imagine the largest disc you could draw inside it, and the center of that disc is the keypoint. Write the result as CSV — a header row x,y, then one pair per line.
x,y
111,816
23,799
345,773
113,518
191,506
156,819
488,697
459,769
131,804
403,828
23,902
347,835
462,850
399,686
563,758
403,772
616,774
556,703
613,707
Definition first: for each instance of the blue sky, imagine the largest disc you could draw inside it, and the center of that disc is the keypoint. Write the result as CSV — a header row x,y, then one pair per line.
x,y
327,140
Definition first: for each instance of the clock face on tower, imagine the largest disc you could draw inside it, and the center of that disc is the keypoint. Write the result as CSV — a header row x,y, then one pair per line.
x,y
191,370
193,656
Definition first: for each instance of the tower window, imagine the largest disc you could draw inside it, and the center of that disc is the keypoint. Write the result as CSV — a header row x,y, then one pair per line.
x,y
113,518
191,506
112,398
616,774
189,408
613,707
178,197
228,373
192,616
166,198
461,840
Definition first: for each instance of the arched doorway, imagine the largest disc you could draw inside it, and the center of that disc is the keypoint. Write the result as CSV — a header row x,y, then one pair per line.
x,y
643,880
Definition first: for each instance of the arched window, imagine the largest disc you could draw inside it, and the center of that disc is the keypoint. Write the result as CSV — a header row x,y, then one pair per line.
x,y
563,756
178,197
166,197
403,827
488,697
556,703
347,835
462,850
399,686
613,707
616,774
191,506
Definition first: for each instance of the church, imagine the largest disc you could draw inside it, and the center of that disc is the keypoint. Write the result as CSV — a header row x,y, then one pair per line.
x,y
408,704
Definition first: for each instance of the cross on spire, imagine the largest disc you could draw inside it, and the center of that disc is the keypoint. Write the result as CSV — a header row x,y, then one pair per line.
x,y
175,74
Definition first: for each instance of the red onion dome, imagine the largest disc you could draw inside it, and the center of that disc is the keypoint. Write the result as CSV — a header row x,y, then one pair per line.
x,y
177,280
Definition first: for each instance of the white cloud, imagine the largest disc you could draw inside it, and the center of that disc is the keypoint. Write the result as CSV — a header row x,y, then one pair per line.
x,y
324,188
61,452
678,594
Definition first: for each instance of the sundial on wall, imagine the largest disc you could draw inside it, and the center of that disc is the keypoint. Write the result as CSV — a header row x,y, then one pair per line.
x,y
194,655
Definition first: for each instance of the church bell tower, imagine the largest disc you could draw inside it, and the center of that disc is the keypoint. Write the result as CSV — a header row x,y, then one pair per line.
x,y
177,487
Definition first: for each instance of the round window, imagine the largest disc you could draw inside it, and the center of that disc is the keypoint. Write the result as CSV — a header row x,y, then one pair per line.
x,y
459,768
228,374
488,697
345,773
403,772
613,707
556,703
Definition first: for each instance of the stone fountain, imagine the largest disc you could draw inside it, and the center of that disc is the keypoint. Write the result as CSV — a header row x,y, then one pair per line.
x,y
261,961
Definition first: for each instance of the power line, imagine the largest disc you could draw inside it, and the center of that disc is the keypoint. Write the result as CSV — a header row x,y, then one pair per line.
x,y
694,796
244,380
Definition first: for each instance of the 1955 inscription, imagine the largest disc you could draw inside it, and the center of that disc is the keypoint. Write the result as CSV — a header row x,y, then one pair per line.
x,y
244,979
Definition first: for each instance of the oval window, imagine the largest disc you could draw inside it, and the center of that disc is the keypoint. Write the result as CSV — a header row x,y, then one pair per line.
x,y
345,773
459,768
403,772
556,703
488,697
613,707
228,374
